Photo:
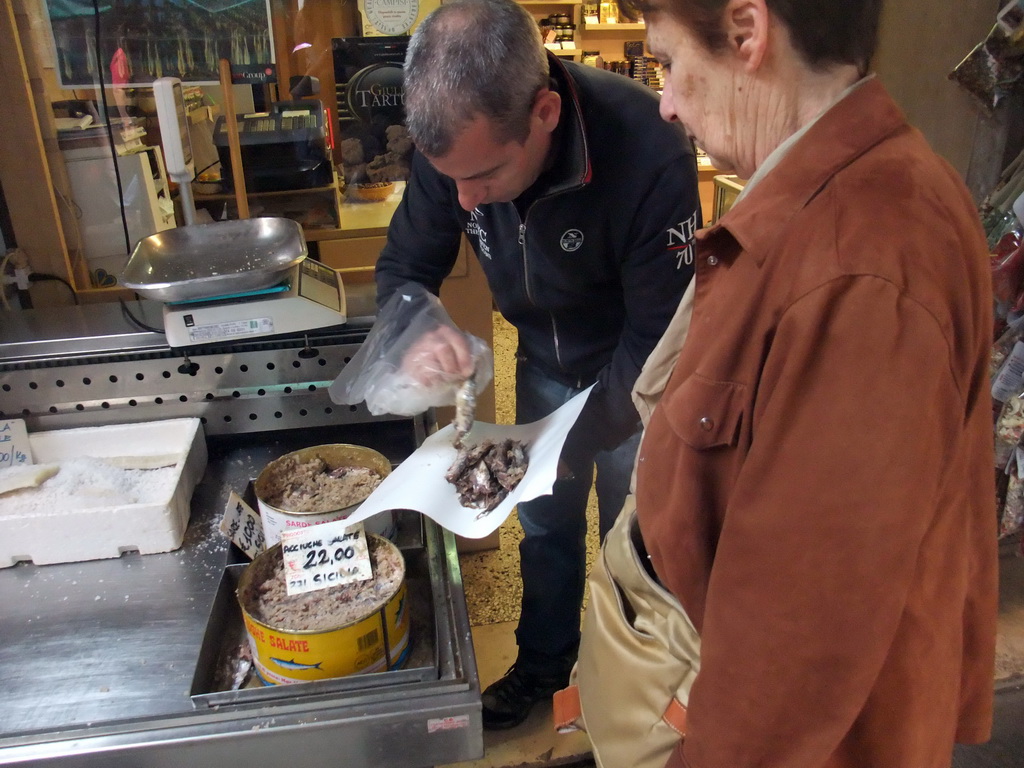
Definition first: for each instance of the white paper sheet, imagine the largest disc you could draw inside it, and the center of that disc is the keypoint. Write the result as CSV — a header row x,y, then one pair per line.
x,y
418,482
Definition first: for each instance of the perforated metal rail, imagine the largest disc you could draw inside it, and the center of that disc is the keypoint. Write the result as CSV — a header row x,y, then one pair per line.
x,y
245,387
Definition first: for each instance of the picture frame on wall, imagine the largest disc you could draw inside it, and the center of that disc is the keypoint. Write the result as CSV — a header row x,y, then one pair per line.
x,y
134,42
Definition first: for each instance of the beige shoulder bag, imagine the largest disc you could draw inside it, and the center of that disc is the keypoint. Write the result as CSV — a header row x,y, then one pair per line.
x,y
638,657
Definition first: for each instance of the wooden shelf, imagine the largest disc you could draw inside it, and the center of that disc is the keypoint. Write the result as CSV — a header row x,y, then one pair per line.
x,y
613,27
314,208
275,193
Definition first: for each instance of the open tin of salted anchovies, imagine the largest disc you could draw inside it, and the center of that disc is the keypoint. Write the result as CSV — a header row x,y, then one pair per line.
x,y
278,517
303,643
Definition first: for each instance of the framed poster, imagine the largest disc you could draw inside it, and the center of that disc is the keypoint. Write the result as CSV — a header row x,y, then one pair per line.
x,y
137,41
373,143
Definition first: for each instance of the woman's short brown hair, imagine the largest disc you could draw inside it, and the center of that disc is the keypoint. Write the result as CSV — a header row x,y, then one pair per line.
x,y
825,32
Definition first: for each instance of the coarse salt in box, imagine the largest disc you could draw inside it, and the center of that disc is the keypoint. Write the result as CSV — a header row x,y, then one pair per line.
x,y
116,489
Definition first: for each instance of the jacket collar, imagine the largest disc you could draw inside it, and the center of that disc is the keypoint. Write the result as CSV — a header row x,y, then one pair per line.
x,y
572,166
863,119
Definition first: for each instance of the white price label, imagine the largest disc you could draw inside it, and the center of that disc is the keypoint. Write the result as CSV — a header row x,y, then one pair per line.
x,y
325,555
243,526
230,329
14,446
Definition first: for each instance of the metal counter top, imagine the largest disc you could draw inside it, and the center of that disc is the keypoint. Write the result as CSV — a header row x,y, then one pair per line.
x,y
97,658
95,329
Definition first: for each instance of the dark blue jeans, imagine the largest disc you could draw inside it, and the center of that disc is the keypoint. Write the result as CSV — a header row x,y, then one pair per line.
x,y
553,550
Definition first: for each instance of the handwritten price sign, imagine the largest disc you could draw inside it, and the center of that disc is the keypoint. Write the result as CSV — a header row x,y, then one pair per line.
x,y
243,526
325,555
14,445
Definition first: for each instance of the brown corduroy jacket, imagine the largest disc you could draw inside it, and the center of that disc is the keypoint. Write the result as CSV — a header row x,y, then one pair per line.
x,y
816,483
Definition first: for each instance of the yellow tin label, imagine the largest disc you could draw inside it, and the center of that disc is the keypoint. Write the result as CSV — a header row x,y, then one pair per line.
x,y
369,645
397,621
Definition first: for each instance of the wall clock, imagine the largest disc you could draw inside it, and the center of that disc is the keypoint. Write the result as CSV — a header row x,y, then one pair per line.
x,y
388,17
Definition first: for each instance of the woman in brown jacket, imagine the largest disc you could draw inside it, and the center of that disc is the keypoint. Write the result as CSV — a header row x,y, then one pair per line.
x,y
815,484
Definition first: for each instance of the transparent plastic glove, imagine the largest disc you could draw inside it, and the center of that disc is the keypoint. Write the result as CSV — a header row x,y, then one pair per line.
x,y
443,355
414,358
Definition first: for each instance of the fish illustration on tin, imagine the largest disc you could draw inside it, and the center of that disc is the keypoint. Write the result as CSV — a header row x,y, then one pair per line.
x,y
401,608
285,664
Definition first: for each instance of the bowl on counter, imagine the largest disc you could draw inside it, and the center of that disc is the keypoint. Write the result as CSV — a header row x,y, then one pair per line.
x,y
208,186
373,192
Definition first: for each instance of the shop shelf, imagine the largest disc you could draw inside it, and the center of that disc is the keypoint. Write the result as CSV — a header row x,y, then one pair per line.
x,y
613,27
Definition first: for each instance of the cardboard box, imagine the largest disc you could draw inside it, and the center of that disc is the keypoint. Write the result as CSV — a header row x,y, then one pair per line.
x,y
69,532
490,541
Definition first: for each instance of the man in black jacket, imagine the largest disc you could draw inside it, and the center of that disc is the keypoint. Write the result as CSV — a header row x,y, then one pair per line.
x,y
581,204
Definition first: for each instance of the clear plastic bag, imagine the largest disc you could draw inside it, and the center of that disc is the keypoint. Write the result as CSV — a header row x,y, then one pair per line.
x,y
391,372
1012,517
992,70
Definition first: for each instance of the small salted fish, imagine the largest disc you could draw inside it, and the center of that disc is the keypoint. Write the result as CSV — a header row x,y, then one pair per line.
x,y
241,668
465,409
292,664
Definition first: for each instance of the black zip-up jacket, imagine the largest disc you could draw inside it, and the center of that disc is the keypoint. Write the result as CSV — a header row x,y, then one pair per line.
x,y
591,273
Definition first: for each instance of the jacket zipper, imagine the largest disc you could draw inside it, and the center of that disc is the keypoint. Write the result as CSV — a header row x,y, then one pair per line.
x,y
523,219
526,283
522,252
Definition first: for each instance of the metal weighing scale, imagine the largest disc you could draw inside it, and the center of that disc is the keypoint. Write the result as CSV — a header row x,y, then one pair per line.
x,y
233,280
227,280
310,296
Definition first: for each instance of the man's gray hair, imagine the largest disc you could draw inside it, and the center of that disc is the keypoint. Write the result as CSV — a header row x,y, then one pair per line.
x,y
470,58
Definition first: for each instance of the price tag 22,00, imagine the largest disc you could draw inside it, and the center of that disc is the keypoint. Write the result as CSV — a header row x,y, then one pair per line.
x,y
325,555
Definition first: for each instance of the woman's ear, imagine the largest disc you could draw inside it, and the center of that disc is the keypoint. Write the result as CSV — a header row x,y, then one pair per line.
x,y
746,24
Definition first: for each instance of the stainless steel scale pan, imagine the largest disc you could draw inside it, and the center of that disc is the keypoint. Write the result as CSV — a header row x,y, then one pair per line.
x,y
208,260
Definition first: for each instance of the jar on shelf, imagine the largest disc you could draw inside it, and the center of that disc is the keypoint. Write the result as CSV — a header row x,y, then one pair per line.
x,y
609,13
547,29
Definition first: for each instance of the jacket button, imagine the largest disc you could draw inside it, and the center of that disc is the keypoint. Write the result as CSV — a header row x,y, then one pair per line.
x,y
712,261
706,423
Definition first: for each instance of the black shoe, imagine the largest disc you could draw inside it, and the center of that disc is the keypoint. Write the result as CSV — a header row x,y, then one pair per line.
x,y
508,701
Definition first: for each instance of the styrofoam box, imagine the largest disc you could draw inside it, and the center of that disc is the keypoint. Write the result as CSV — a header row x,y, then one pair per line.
x,y
67,534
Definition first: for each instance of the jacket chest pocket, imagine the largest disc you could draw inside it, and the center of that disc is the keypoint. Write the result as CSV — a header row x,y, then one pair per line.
x,y
705,413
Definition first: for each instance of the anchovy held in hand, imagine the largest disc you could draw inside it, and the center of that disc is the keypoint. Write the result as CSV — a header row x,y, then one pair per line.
x,y
465,409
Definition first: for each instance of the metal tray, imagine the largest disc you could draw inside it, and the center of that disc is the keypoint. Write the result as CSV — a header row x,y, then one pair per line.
x,y
221,654
208,260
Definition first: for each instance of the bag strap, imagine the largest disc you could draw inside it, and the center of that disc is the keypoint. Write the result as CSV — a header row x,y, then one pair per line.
x,y
675,717
568,714
566,710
